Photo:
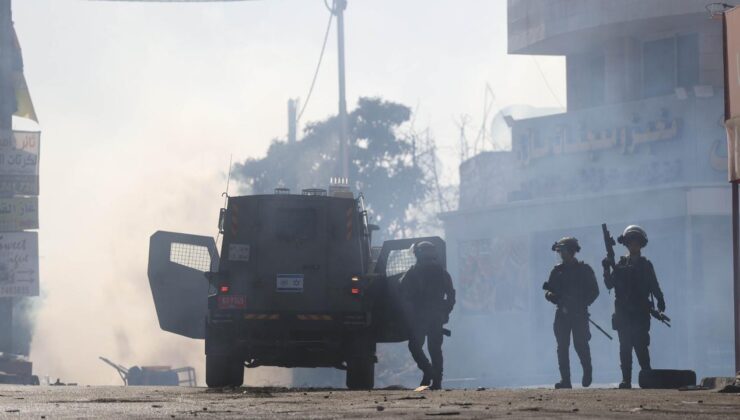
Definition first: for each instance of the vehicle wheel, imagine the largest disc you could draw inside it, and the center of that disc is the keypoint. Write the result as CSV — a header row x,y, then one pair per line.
x,y
361,373
223,371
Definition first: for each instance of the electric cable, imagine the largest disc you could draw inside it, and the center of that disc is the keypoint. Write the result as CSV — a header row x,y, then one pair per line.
x,y
321,59
547,83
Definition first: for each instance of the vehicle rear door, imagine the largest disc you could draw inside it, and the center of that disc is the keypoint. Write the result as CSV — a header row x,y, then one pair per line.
x,y
395,258
291,259
177,266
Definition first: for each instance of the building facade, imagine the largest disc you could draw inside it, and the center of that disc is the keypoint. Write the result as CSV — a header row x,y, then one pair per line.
x,y
642,143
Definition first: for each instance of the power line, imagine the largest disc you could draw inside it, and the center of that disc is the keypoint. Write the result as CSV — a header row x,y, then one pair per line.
x,y
318,65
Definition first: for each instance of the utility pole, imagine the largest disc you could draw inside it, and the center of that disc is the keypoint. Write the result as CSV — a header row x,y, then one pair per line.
x,y
341,5
7,93
7,109
292,120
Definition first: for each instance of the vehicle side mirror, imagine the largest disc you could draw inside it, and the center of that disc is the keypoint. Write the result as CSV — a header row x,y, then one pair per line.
x,y
221,219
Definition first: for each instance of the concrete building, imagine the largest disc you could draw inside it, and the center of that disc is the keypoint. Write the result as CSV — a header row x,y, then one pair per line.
x,y
642,142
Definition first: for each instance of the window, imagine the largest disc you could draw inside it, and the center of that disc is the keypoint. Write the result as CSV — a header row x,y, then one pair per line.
x,y
658,67
586,80
399,261
669,63
191,256
688,60
295,224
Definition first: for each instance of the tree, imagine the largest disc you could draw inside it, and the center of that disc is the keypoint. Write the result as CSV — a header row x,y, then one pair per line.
x,y
382,163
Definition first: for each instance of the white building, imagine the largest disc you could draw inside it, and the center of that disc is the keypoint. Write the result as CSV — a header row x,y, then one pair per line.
x,y
642,142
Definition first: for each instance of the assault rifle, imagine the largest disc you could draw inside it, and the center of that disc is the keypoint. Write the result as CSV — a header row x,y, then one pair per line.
x,y
609,244
546,286
660,316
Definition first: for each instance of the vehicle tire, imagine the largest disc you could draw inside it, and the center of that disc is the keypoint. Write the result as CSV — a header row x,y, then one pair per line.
x,y
361,373
224,371
666,378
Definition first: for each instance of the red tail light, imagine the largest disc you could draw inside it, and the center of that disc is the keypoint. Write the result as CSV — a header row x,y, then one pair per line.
x,y
355,291
224,288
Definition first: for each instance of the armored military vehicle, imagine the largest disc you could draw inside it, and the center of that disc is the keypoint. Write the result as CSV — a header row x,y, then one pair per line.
x,y
298,284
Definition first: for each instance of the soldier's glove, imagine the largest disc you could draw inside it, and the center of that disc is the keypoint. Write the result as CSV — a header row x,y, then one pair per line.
x,y
551,297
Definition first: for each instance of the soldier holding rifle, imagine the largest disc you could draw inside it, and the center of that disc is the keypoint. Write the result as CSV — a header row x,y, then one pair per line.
x,y
636,286
572,287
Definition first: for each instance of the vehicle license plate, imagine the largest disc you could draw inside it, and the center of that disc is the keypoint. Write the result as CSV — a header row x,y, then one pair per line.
x,y
289,283
232,302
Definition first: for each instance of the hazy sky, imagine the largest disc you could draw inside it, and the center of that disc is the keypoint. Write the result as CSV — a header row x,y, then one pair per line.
x,y
141,106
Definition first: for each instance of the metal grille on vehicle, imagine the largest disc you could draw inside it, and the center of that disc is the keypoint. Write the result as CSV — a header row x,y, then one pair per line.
x,y
191,256
399,261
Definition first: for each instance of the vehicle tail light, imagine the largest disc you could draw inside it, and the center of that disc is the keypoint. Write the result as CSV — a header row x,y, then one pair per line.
x,y
355,290
224,288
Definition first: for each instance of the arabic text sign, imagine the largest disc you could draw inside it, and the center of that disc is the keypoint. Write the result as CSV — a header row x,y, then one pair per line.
x,y
19,264
628,140
19,213
19,163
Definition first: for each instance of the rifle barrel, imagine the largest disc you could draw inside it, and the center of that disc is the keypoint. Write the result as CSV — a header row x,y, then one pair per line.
x,y
600,329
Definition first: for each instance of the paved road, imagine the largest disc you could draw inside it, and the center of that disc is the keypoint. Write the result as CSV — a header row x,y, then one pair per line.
x,y
145,402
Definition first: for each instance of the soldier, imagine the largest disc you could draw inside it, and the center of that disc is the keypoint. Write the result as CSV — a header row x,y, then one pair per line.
x,y
635,284
572,287
429,298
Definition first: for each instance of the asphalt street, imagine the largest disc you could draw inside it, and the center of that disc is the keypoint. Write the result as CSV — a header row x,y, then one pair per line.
x,y
53,402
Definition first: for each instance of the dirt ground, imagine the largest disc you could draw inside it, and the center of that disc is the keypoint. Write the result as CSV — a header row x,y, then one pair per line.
x,y
52,402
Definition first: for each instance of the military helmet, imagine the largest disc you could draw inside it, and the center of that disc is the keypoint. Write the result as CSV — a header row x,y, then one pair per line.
x,y
425,251
570,243
633,231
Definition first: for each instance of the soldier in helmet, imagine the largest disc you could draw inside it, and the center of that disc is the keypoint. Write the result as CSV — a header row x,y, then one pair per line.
x,y
428,299
635,284
572,287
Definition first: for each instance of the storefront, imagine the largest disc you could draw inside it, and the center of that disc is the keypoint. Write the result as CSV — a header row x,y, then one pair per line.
x,y
658,162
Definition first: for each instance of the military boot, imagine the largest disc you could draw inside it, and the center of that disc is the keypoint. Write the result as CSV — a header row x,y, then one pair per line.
x,y
587,377
564,377
626,379
436,379
426,380
436,382
563,384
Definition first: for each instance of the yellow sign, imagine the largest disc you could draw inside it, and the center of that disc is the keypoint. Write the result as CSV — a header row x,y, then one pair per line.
x,y
732,21
732,53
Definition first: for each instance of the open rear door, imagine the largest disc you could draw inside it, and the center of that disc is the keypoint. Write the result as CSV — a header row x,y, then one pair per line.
x,y
177,263
395,258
